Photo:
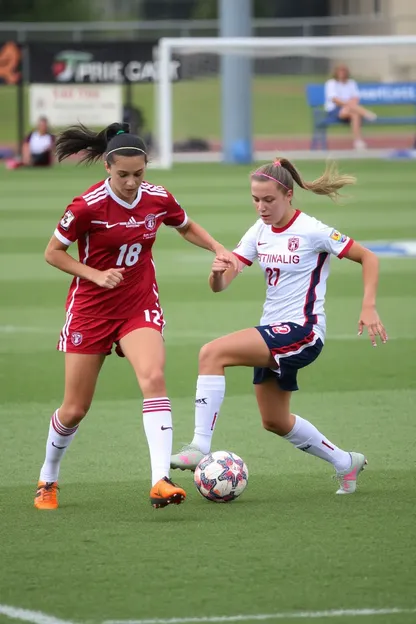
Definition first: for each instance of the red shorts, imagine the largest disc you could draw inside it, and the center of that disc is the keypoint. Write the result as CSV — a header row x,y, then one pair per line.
x,y
82,334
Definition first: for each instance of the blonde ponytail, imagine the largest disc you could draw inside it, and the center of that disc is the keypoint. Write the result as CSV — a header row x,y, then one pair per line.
x,y
329,183
285,173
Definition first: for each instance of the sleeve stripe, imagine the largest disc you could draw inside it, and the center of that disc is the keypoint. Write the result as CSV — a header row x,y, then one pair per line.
x,y
184,222
243,260
346,249
62,238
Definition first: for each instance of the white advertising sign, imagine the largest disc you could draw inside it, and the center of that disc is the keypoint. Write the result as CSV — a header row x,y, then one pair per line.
x,y
92,105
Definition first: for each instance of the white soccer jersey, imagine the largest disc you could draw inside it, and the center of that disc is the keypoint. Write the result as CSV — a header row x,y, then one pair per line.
x,y
295,262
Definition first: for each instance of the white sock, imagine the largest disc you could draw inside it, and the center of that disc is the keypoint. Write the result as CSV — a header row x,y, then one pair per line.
x,y
157,421
210,391
306,437
59,438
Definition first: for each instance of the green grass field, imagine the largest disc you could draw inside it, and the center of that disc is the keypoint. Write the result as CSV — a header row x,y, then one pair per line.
x,y
279,108
289,544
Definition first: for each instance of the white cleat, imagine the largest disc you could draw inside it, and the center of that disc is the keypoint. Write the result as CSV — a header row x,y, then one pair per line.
x,y
360,145
348,478
188,458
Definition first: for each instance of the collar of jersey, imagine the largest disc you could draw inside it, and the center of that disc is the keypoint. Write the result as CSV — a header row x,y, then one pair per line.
x,y
120,201
287,226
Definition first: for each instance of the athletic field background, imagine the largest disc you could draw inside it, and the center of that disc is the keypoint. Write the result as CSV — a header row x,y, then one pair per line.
x,y
289,544
282,118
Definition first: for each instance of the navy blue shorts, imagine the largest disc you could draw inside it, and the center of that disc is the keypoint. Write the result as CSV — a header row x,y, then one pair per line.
x,y
293,347
334,116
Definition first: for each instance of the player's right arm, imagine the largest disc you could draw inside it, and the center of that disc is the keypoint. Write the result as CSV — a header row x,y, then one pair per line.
x,y
74,224
222,272
56,254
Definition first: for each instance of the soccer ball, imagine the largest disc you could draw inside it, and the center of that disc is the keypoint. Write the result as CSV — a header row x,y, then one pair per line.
x,y
221,476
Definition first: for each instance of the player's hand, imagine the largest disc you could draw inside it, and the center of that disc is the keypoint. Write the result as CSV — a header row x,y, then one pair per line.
x,y
110,278
227,256
371,320
219,266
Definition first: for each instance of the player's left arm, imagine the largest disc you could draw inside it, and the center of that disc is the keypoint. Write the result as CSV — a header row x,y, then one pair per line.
x,y
197,235
369,317
194,233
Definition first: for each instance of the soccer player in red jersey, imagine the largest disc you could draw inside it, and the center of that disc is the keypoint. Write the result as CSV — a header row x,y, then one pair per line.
x,y
113,298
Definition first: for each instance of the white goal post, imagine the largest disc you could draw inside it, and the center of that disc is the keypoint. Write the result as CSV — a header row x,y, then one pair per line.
x,y
323,47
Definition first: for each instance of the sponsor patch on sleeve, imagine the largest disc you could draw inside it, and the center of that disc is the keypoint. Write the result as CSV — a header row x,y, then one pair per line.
x,y
67,220
337,236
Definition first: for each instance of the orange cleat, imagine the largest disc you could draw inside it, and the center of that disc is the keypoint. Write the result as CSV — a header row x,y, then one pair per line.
x,y
47,495
165,492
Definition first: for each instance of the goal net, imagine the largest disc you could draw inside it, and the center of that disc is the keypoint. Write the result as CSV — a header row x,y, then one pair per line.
x,y
286,89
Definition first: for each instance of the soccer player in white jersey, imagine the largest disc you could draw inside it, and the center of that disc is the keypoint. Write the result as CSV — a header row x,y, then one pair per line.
x,y
293,250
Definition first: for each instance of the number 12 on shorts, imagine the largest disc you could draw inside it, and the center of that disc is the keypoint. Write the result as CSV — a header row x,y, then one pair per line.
x,y
153,316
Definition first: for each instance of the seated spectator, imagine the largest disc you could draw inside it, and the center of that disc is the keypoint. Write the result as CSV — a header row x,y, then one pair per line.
x,y
342,103
38,147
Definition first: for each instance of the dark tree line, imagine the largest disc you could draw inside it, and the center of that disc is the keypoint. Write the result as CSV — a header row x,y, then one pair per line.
x,y
208,9
45,10
80,10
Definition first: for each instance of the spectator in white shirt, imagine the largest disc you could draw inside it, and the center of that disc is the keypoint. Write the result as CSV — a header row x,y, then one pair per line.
x,y
39,146
342,103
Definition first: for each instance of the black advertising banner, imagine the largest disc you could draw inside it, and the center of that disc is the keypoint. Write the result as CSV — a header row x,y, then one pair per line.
x,y
94,63
10,57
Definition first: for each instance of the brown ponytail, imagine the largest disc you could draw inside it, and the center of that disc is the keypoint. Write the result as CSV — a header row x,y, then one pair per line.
x,y
116,136
285,173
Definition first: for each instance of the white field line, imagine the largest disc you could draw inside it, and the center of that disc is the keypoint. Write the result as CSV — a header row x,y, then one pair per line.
x,y
299,615
37,617
25,615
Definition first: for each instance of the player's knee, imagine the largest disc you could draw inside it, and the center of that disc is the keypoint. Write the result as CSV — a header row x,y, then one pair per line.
x,y
209,355
153,383
276,426
71,415
269,425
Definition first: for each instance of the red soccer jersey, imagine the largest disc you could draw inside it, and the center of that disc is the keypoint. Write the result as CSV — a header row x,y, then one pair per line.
x,y
112,233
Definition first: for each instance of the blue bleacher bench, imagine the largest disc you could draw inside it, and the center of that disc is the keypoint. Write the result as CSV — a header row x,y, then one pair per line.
x,y
371,94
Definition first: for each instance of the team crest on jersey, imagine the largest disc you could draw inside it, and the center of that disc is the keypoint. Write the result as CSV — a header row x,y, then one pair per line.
x,y
67,220
76,338
150,222
293,243
337,236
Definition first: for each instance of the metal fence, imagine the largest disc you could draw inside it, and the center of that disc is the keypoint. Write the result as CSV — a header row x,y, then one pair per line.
x,y
23,32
